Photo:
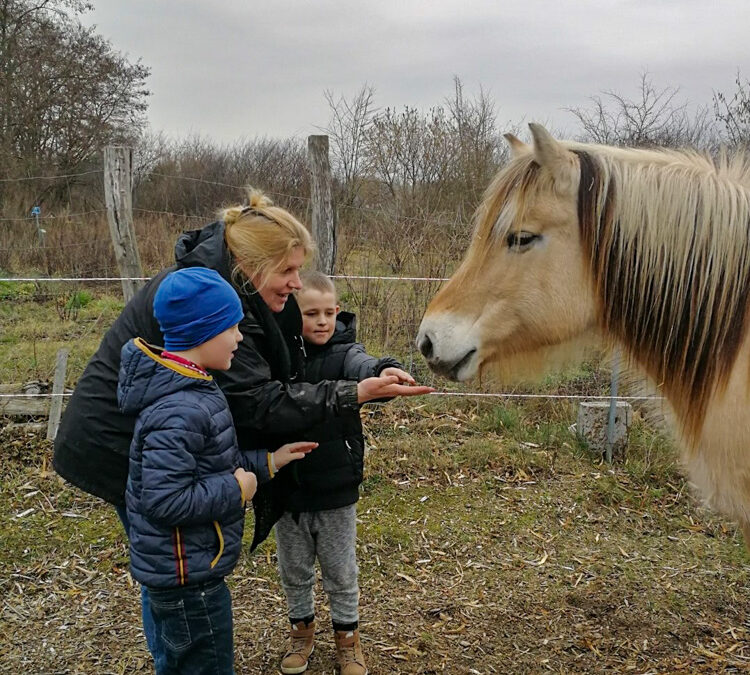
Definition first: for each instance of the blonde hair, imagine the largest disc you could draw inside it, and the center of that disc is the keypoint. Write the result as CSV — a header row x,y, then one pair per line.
x,y
312,280
260,236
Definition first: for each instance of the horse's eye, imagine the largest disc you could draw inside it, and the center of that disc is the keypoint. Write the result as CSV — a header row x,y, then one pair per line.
x,y
518,242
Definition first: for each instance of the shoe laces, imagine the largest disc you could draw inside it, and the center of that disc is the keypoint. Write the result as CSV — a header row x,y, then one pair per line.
x,y
298,645
348,653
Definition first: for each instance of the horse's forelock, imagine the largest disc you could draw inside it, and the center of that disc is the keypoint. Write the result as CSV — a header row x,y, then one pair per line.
x,y
505,197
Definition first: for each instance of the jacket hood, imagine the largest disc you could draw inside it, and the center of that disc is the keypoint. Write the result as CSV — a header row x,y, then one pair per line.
x,y
346,329
205,248
145,377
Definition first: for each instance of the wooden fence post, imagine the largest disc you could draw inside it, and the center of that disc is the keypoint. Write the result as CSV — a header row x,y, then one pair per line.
x,y
118,196
58,388
323,215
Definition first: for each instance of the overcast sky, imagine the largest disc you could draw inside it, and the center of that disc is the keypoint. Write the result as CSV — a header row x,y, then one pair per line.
x,y
233,68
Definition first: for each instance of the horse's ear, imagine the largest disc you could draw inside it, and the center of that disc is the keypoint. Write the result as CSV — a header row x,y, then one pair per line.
x,y
551,154
517,146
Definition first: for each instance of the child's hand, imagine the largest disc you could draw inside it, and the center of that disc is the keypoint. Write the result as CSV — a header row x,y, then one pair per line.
x,y
248,482
402,375
291,451
388,386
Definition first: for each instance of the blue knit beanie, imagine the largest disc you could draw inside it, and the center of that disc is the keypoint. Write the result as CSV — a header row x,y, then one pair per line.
x,y
193,305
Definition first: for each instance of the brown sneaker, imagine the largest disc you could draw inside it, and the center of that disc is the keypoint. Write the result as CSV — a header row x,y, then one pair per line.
x,y
300,647
349,656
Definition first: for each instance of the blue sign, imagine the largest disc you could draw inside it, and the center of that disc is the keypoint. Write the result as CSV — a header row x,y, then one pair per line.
x,y
36,210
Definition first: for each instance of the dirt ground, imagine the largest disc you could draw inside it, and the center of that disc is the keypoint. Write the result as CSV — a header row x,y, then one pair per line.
x,y
489,542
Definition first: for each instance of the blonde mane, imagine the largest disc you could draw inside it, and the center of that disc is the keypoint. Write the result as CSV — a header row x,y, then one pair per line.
x,y
667,236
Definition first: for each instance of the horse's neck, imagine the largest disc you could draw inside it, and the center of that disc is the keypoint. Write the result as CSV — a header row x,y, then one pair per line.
x,y
674,276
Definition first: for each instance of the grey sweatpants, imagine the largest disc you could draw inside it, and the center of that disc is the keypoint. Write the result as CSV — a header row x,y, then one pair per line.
x,y
331,536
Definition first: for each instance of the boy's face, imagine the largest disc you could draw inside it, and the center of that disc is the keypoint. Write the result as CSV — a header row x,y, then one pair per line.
x,y
319,310
217,353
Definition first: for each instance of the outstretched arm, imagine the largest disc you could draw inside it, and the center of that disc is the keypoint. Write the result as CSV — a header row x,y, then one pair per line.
x,y
266,405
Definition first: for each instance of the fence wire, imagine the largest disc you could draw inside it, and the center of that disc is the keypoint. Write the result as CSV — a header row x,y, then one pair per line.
x,y
476,394
334,276
64,216
358,244
21,179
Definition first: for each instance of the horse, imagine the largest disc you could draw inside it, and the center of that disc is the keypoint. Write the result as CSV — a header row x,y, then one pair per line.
x,y
649,249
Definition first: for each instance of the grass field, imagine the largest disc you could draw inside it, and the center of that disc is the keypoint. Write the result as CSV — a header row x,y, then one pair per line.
x,y
490,541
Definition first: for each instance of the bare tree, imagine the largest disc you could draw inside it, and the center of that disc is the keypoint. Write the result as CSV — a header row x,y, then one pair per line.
x,y
654,118
478,150
433,167
347,129
150,148
194,175
734,113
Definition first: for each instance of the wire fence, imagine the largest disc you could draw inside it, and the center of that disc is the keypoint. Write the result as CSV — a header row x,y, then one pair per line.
x,y
406,353
476,394
374,244
367,250
333,276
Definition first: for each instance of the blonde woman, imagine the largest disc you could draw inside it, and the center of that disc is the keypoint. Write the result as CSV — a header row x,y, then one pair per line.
x,y
260,248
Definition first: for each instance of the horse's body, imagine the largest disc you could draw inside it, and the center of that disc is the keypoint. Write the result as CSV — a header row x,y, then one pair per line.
x,y
650,249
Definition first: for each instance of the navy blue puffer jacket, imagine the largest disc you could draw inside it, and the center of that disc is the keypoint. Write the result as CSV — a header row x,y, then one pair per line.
x,y
184,504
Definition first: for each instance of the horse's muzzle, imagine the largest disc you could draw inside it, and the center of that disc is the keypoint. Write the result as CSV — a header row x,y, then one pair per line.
x,y
450,368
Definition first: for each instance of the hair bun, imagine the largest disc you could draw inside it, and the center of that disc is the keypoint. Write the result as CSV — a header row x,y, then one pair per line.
x,y
231,215
256,199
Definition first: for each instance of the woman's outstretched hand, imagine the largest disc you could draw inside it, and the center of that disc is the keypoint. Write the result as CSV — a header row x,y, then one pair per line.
x,y
291,451
389,385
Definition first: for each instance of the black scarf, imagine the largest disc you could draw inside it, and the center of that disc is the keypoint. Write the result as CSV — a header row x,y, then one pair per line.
x,y
283,334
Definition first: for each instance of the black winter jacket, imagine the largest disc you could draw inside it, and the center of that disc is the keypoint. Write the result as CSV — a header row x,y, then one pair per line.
x,y
268,403
329,476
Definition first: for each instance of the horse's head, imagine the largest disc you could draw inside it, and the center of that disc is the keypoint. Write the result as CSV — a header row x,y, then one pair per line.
x,y
523,286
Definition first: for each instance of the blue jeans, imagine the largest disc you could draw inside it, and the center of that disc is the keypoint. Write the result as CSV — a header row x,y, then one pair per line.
x,y
153,639
195,623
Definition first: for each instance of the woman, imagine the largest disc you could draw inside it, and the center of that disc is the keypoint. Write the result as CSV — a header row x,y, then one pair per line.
x,y
260,249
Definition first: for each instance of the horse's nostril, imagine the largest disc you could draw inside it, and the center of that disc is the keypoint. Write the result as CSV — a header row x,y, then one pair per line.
x,y
426,347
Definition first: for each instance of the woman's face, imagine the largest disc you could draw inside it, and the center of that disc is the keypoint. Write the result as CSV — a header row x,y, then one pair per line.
x,y
281,281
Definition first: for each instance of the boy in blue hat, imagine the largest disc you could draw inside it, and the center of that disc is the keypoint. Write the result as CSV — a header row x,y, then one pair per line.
x,y
188,481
